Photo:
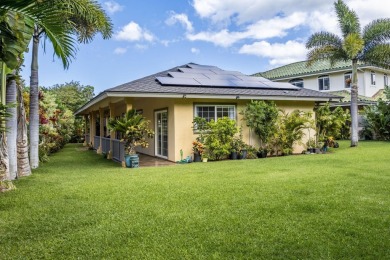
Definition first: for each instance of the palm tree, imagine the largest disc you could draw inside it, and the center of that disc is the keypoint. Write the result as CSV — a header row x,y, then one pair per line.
x,y
370,45
83,18
17,20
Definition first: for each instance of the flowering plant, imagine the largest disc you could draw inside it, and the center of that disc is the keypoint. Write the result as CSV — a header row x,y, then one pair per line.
x,y
198,147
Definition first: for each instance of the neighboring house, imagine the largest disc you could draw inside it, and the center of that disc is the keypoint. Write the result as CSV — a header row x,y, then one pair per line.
x,y
171,99
323,77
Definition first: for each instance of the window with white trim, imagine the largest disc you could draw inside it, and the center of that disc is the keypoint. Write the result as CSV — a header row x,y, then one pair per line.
x,y
213,112
297,82
323,83
347,80
386,80
373,78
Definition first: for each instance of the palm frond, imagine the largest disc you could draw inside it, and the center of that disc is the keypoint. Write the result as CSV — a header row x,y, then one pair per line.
x,y
378,55
378,31
348,19
322,39
86,18
353,44
327,52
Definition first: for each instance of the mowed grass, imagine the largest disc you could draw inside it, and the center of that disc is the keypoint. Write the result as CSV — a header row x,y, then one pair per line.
x,y
333,206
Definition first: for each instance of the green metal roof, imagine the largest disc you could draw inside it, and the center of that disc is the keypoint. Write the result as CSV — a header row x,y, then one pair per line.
x,y
298,69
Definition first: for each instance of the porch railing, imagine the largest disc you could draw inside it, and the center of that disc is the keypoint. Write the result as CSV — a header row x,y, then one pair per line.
x,y
96,143
118,150
105,145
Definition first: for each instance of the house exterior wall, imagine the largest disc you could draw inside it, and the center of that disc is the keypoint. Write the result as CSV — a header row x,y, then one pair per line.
x,y
337,81
181,115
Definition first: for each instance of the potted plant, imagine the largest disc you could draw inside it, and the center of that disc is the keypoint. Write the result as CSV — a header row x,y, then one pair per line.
x,y
198,148
262,152
135,131
311,145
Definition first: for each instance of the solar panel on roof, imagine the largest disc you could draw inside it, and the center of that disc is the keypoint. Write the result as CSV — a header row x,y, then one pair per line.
x,y
226,72
210,76
186,75
178,81
281,85
216,82
201,71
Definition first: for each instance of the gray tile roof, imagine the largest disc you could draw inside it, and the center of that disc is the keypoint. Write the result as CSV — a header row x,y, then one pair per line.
x,y
150,84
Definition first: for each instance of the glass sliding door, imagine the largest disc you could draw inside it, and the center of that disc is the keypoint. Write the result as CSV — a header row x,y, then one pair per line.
x,y
161,133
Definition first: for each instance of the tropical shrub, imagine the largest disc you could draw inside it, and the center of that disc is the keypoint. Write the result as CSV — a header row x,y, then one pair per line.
x,y
377,121
334,122
289,131
261,117
134,128
219,138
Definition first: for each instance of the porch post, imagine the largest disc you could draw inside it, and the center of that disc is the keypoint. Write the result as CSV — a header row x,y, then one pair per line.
x,y
129,104
92,129
85,129
101,130
112,133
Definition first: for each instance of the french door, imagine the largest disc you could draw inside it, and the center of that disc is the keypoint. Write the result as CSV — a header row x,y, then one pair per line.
x,y
161,133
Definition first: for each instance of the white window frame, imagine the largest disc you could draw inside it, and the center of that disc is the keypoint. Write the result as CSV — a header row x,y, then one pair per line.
x,y
373,78
322,79
347,76
385,80
297,82
216,106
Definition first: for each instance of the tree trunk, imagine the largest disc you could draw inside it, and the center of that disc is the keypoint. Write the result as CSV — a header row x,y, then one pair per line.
x,y
24,168
354,105
12,126
34,104
5,181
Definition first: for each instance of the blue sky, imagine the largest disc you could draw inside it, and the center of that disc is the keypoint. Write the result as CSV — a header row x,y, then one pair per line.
x,y
150,36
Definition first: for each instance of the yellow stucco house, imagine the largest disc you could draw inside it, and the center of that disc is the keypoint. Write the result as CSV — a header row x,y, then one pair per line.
x,y
171,99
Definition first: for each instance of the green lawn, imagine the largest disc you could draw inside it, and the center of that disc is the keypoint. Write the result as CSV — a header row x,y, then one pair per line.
x,y
333,206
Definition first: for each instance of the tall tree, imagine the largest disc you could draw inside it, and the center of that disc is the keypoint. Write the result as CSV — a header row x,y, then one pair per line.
x,y
370,45
84,19
24,168
17,20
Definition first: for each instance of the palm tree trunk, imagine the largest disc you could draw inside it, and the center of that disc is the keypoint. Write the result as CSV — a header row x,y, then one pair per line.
x,y
12,128
354,105
24,168
34,104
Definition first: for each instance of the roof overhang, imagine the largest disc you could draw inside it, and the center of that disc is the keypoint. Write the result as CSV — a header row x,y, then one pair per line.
x,y
105,95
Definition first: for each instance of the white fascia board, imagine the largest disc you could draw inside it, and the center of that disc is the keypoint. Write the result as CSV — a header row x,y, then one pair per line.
x,y
94,101
211,96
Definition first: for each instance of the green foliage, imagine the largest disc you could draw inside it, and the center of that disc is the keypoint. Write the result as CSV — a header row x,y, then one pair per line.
x,y
71,96
261,116
387,93
289,130
377,121
330,122
219,138
56,125
134,128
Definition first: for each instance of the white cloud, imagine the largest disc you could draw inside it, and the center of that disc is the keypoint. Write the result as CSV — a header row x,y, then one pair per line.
x,y
133,32
141,46
180,18
263,29
195,50
278,53
120,50
112,7
252,10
